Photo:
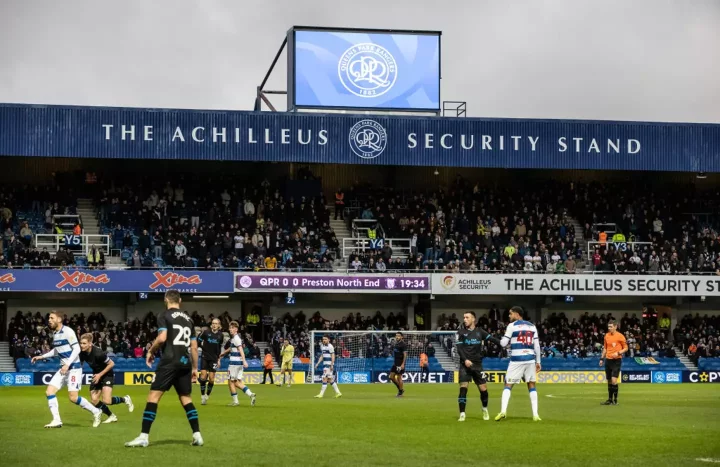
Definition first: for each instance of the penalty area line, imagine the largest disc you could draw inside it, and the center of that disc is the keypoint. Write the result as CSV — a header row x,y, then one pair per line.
x,y
708,459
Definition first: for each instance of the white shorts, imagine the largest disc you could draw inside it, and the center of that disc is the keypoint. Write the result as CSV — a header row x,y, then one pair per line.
x,y
72,379
328,373
235,372
518,372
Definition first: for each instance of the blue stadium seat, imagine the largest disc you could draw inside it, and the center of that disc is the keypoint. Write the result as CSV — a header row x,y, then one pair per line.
x,y
709,364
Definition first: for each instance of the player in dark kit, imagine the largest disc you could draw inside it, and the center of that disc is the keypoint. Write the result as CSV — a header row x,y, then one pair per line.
x,y
103,378
471,349
177,368
400,356
210,342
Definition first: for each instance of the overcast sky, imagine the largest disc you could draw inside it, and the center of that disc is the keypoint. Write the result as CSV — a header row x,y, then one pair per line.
x,y
655,60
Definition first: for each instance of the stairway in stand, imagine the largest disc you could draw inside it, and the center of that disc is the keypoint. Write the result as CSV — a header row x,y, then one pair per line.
x,y
87,212
7,365
262,346
580,238
341,231
444,359
684,360
89,216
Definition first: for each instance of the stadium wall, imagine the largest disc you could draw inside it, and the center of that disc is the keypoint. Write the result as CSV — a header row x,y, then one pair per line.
x,y
136,133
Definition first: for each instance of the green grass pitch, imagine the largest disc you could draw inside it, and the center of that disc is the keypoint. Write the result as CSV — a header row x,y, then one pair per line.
x,y
671,425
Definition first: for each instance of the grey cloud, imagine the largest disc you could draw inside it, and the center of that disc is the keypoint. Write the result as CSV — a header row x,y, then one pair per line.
x,y
624,60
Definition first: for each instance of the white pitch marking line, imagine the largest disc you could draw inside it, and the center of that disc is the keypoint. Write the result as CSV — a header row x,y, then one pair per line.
x,y
708,459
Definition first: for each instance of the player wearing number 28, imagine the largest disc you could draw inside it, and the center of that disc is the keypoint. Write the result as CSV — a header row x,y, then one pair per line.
x,y
178,368
65,346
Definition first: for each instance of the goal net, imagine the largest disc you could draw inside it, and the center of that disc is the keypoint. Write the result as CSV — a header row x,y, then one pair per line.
x,y
367,356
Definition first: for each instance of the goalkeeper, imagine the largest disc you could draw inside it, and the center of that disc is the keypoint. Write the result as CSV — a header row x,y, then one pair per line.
x,y
471,349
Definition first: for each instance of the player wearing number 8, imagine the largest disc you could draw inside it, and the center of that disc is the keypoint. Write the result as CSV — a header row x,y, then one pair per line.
x,y
524,364
178,368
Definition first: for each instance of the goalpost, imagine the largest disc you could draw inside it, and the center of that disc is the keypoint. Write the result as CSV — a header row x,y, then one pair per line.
x,y
359,355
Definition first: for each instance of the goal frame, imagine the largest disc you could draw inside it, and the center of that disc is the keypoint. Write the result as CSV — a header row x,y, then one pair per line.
x,y
313,334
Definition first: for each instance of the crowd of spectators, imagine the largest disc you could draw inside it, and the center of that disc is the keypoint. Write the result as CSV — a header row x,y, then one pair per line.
x,y
576,338
472,228
647,335
26,211
203,225
464,227
30,336
698,337
531,228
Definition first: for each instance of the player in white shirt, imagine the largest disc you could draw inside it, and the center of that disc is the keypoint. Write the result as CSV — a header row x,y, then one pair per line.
x,y
66,346
524,359
328,362
237,365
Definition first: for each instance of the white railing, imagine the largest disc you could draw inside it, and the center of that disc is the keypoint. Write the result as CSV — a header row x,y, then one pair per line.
x,y
67,221
607,227
620,246
79,244
400,246
360,227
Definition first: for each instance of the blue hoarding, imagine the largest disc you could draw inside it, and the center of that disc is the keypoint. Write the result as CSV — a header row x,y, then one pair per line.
x,y
16,379
98,132
667,377
364,69
25,280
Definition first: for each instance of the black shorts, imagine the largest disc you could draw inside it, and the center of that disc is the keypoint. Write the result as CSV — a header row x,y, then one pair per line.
x,y
179,378
612,368
209,365
106,381
396,369
475,374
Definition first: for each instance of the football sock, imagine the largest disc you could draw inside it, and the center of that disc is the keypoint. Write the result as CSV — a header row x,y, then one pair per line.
x,y
507,392
85,404
610,391
462,399
484,398
336,388
117,400
534,402
234,397
53,405
323,388
247,391
210,386
615,392
105,409
149,416
192,416
203,385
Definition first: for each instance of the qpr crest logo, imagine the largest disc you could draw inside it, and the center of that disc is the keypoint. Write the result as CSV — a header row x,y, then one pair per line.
x,y
368,139
367,70
346,378
245,282
8,379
